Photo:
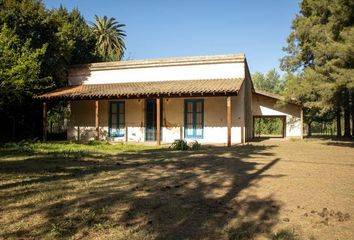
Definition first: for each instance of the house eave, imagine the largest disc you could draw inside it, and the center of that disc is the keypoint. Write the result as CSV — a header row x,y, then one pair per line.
x,y
142,96
162,62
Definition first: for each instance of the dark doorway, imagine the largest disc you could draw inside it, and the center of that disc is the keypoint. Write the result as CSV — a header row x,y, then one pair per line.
x,y
269,126
150,119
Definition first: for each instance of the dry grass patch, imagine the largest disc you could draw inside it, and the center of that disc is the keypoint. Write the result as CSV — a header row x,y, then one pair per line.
x,y
100,191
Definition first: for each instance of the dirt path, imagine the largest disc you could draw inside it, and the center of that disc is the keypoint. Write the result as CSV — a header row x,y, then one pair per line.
x,y
316,189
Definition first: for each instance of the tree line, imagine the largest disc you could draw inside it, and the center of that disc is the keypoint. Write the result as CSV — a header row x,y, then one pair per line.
x,y
319,64
36,47
38,44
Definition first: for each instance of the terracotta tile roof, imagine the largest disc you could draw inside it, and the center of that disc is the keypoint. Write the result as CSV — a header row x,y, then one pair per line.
x,y
144,89
268,94
276,97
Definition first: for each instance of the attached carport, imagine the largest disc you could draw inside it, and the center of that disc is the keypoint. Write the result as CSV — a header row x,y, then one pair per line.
x,y
269,126
270,106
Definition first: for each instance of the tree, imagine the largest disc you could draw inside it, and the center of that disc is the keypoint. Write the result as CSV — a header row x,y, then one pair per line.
x,y
19,74
299,89
67,39
321,46
271,82
75,35
110,38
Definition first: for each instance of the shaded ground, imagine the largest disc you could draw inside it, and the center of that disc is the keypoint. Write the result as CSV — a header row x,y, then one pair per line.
x,y
134,192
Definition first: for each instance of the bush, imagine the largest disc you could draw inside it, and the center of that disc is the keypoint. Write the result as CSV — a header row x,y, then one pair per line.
x,y
180,145
22,146
183,145
97,142
196,145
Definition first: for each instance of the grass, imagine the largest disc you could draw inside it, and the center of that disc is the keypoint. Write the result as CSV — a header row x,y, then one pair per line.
x,y
64,190
284,234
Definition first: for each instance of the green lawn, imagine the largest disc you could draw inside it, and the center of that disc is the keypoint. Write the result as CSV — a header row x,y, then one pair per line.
x,y
103,191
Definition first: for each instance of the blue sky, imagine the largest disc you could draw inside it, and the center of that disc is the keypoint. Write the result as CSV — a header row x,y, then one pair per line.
x,y
174,28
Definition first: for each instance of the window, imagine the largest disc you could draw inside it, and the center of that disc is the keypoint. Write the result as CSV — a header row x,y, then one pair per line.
x,y
193,118
116,119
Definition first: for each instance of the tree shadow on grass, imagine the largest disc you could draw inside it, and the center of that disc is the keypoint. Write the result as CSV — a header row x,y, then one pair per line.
x,y
347,143
334,141
162,193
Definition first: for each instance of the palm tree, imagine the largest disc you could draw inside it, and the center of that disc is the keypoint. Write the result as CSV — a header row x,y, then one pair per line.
x,y
109,38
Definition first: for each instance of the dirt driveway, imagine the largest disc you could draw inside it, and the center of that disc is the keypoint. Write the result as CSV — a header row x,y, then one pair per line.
x,y
274,189
313,184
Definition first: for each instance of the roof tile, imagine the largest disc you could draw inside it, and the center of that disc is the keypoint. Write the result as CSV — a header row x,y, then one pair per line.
x,y
136,89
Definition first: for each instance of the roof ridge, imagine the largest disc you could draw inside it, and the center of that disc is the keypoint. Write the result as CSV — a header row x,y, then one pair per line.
x,y
164,61
163,81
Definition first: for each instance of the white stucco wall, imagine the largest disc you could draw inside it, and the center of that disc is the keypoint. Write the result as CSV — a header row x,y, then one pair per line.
x,y
215,130
81,124
263,105
164,73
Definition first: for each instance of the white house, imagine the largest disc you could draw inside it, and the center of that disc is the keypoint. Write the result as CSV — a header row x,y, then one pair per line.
x,y
210,99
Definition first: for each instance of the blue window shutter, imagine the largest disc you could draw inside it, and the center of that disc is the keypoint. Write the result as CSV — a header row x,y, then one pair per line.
x,y
202,135
110,119
120,122
199,136
194,118
118,105
185,118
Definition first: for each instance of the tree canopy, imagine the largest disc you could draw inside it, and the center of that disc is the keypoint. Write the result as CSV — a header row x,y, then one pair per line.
x,y
320,53
19,69
270,82
110,38
36,47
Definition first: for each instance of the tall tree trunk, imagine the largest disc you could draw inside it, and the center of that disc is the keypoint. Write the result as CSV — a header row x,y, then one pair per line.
x,y
346,114
347,123
309,132
339,125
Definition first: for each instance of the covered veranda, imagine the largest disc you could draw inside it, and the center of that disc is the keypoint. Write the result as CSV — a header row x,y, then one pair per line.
x,y
225,90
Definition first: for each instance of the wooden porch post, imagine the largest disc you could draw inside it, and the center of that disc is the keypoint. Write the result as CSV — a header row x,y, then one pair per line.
x,y
45,121
228,120
97,133
158,121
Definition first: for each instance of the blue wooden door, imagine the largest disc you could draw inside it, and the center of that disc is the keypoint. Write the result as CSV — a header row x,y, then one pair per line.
x,y
193,118
150,120
116,119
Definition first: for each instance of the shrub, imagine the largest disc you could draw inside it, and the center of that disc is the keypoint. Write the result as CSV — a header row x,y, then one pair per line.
x,y
10,145
180,145
183,145
196,145
97,142
21,146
